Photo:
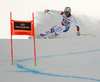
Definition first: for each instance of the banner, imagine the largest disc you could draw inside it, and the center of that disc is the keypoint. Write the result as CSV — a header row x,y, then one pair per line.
x,y
22,28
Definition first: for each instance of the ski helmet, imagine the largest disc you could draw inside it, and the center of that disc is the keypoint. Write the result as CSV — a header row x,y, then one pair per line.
x,y
67,10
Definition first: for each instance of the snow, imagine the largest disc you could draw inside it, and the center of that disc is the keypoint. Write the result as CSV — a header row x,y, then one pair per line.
x,y
66,58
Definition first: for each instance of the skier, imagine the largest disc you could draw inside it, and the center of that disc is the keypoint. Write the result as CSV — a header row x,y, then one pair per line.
x,y
63,26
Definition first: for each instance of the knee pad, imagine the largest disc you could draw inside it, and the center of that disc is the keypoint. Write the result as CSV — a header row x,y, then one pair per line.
x,y
67,28
52,30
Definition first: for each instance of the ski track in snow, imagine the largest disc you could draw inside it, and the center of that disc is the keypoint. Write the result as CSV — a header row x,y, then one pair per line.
x,y
23,60
26,69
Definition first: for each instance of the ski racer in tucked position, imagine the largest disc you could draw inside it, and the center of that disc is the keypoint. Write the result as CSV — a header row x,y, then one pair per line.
x,y
63,26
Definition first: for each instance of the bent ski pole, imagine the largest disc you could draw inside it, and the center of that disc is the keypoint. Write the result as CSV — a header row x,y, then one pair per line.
x,y
51,15
87,34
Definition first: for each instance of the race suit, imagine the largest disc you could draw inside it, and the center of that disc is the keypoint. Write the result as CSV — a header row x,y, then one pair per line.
x,y
63,26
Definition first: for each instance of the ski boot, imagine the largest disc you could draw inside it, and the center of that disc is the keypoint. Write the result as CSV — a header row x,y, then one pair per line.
x,y
39,36
52,36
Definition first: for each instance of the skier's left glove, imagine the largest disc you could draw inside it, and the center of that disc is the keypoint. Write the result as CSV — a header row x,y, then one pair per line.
x,y
46,11
78,33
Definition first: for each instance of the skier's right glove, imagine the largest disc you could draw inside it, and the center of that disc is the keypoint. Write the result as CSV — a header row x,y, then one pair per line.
x,y
78,33
46,11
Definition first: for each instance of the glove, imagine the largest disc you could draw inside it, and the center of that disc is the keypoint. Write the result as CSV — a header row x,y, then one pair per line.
x,y
78,33
46,11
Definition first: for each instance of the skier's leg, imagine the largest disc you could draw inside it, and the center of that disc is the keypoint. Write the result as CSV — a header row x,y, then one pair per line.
x,y
67,28
44,34
49,31
58,31
56,27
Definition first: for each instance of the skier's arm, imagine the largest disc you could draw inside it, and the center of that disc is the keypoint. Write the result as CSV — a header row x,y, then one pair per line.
x,y
57,12
75,23
77,26
78,29
54,11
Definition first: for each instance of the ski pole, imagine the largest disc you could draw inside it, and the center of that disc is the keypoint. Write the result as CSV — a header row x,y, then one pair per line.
x,y
87,34
51,15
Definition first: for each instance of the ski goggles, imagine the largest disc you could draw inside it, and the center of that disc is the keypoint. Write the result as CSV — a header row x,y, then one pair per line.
x,y
66,12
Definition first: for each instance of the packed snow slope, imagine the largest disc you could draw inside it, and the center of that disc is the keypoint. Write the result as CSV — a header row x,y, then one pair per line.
x,y
71,60
66,58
